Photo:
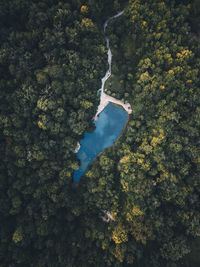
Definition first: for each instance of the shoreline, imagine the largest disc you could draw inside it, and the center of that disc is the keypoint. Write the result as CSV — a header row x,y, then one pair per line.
x,y
106,99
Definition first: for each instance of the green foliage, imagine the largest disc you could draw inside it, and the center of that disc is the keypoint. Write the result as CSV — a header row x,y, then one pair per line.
x,y
138,204
17,235
155,187
175,249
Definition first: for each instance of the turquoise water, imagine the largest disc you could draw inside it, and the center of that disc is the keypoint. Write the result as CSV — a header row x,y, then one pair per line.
x,y
109,125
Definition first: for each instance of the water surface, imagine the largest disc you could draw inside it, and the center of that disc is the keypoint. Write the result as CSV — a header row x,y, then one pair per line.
x,y
109,125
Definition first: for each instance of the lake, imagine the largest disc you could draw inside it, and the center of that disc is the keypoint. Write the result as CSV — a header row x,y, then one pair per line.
x,y
109,126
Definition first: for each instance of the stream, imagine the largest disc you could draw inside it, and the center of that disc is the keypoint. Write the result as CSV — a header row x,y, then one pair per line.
x,y
109,71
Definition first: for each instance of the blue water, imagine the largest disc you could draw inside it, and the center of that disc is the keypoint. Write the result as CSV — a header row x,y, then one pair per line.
x,y
109,125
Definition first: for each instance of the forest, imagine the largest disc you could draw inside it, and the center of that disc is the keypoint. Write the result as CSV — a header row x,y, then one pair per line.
x,y
52,58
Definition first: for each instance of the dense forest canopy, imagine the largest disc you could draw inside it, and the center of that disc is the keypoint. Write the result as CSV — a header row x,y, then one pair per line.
x,y
52,58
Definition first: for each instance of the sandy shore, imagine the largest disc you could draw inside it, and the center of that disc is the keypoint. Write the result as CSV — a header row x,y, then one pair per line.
x,y
104,101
